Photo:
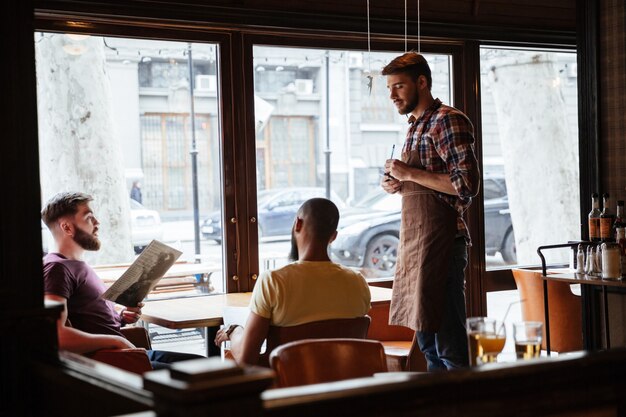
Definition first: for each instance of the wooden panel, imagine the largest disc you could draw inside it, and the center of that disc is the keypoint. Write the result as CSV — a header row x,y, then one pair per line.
x,y
612,79
558,15
589,385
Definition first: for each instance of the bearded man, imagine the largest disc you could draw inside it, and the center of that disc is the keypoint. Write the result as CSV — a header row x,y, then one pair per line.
x,y
437,176
95,322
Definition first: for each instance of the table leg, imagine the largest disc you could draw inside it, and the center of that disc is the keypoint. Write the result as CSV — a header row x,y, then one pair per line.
x,y
209,337
605,311
588,307
546,311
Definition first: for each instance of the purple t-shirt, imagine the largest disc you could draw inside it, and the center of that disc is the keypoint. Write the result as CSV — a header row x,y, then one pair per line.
x,y
78,283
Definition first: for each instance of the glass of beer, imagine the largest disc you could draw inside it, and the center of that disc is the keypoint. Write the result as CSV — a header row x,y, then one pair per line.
x,y
483,339
492,344
528,336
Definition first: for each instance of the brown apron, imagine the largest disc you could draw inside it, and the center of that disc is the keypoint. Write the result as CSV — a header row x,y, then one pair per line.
x,y
427,233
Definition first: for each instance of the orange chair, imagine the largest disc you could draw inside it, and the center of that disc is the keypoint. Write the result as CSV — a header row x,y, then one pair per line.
x,y
401,350
132,360
325,360
564,307
355,328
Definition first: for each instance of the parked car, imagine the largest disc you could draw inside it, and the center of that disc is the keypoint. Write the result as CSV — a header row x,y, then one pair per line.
x,y
369,232
145,225
277,209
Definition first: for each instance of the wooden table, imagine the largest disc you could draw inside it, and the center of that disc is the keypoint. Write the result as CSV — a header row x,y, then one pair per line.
x,y
183,313
588,285
109,274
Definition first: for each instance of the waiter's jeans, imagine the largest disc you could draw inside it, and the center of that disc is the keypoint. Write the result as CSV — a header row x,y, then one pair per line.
x,y
447,349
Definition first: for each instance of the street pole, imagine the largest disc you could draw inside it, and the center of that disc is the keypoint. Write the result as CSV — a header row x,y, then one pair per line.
x,y
327,150
194,161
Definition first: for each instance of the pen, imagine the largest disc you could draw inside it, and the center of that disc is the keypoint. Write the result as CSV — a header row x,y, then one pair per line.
x,y
393,148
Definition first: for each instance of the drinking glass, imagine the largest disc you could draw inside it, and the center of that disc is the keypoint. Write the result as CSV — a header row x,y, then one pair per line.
x,y
528,336
492,344
485,339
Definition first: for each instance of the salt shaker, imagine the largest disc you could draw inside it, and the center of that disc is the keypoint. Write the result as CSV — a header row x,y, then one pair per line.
x,y
598,261
590,260
580,260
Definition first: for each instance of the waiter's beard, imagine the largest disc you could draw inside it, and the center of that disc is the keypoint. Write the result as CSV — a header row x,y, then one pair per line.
x,y
293,253
410,106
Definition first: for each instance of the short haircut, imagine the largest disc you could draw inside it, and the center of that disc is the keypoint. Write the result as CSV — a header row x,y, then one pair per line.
x,y
410,63
63,204
321,215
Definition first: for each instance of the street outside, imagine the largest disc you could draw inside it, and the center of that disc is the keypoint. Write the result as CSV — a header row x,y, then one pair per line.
x,y
272,252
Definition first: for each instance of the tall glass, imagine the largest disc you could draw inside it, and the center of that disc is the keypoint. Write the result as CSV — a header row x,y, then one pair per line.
x,y
528,336
492,344
485,338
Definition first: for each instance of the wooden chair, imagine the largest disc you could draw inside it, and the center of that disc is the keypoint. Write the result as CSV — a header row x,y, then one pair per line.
x,y
401,350
564,307
132,360
355,328
314,361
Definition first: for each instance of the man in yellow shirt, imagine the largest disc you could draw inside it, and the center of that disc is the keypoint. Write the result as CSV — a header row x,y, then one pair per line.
x,y
311,289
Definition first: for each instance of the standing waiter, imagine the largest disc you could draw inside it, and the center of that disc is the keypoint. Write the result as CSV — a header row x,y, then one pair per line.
x,y
437,178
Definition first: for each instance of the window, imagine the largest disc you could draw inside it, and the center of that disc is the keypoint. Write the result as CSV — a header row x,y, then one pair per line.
x,y
292,117
530,153
115,112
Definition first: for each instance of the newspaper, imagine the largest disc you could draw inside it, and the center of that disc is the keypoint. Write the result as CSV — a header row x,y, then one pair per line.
x,y
143,275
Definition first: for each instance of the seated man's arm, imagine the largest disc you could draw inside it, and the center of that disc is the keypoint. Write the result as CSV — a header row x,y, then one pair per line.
x,y
77,341
129,315
245,343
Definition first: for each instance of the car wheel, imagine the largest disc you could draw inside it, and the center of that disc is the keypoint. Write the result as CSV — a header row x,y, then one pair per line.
x,y
381,255
509,251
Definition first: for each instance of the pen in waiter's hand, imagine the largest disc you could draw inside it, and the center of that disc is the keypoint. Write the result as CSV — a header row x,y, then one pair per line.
x,y
389,177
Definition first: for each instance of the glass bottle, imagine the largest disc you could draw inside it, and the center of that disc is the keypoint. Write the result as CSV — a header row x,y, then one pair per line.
x,y
621,241
607,219
594,218
619,219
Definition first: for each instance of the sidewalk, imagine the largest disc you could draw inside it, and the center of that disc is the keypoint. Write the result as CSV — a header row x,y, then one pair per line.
x,y
180,230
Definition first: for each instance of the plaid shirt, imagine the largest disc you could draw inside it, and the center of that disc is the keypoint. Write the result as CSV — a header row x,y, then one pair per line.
x,y
445,142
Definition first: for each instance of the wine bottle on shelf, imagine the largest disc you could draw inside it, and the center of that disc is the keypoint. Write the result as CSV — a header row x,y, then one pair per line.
x,y
621,240
594,219
619,219
607,218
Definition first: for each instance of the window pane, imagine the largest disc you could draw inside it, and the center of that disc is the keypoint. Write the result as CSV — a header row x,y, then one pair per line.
x,y
291,120
530,149
115,112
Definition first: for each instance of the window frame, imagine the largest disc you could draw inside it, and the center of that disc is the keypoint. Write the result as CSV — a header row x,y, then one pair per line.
x,y
237,118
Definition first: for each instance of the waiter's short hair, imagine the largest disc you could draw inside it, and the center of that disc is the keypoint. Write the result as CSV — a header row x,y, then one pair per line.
x,y
321,215
63,204
410,63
